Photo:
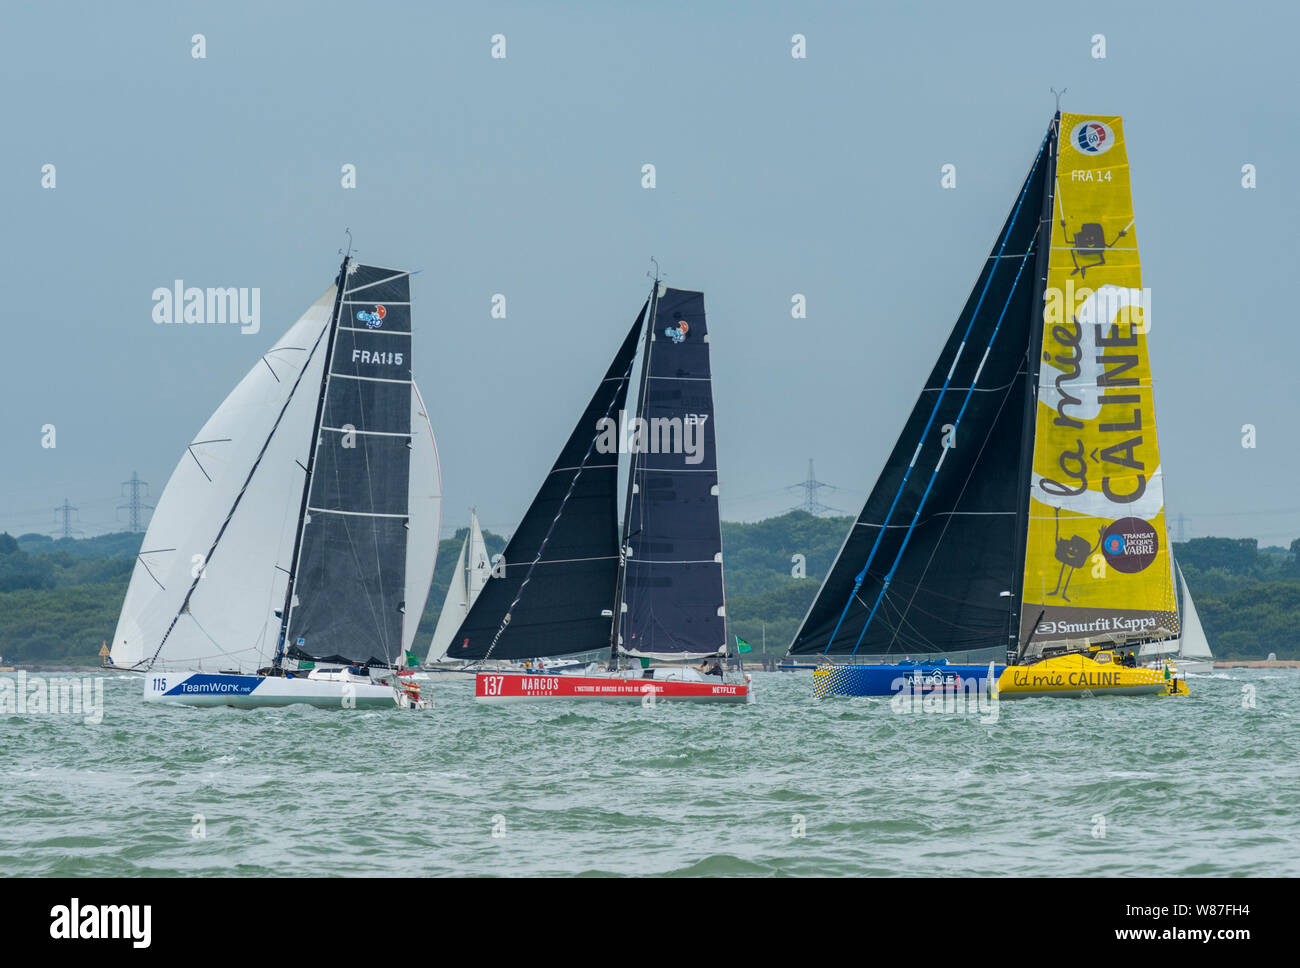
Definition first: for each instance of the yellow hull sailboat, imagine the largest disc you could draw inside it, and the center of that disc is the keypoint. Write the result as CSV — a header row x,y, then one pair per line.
x,y
1075,674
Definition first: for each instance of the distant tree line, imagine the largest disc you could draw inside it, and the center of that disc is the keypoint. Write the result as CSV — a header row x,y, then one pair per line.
x,y
59,599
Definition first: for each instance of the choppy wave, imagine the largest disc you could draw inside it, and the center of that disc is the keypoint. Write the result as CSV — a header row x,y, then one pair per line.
x,y
1108,786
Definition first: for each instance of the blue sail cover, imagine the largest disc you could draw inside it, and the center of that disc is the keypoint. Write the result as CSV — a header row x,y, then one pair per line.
x,y
673,599
350,578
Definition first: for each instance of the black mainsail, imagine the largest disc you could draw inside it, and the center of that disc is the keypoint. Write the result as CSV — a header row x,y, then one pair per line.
x,y
933,557
346,591
551,592
563,577
672,589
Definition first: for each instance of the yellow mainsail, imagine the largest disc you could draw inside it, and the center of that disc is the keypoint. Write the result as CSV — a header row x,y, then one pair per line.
x,y
1097,563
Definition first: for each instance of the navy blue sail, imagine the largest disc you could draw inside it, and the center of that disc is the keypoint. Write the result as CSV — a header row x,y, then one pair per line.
x,y
348,583
553,589
672,588
932,566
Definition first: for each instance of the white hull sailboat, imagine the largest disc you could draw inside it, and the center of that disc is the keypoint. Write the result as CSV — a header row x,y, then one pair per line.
x,y
331,689
289,557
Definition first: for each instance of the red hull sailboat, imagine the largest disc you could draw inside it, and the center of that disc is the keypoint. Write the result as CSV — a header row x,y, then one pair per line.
x,y
572,582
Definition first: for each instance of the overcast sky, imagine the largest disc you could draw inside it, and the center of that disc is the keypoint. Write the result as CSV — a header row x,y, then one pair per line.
x,y
523,176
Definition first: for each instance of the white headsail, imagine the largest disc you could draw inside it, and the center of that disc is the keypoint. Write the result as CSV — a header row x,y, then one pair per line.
x,y
230,621
425,503
1192,644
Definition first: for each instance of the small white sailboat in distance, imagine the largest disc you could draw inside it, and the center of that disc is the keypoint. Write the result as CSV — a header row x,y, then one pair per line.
x,y
1191,650
470,575
290,555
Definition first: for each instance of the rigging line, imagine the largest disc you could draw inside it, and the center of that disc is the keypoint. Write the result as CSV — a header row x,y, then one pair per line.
x,y
942,618
370,285
562,561
207,559
946,514
960,494
208,635
558,514
915,638
1006,237
898,557
149,571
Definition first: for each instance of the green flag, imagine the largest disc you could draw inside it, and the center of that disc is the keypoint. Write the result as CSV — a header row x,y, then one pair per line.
x,y
742,646
411,660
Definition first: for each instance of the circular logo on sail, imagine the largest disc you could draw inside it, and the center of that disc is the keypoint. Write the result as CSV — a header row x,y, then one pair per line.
x,y
678,333
1092,137
373,320
1129,544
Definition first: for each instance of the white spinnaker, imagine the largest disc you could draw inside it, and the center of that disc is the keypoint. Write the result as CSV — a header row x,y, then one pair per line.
x,y
230,623
477,565
424,504
454,609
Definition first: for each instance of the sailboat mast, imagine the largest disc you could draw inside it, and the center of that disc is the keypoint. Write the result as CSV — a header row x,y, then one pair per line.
x,y
617,624
311,463
1033,366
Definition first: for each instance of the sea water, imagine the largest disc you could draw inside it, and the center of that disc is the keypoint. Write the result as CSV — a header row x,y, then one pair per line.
x,y
1203,785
